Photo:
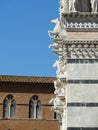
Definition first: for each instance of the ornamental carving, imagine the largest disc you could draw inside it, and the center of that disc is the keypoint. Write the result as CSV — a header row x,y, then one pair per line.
x,y
78,6
61,67
82,51
94,5
63,6
59,88
59,30
82,22
82,25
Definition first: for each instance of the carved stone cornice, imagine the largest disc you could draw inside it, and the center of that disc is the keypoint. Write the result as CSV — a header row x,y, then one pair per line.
x,y
77,49
80,42
76,41
80,22
82,51
80,14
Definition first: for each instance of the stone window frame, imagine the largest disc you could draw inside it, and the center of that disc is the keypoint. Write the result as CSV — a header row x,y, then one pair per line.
x,y
35,108
9,107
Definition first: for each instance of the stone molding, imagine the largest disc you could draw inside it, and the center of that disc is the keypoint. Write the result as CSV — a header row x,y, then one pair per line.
x,y
80,27
82,51
75,41
80,14
80,22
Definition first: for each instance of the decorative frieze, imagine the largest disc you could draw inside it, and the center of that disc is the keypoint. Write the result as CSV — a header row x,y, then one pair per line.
x,y
74,49
78,21
82,51
82,25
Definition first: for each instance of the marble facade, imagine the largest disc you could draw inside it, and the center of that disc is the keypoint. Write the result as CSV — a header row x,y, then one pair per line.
x,y
75,41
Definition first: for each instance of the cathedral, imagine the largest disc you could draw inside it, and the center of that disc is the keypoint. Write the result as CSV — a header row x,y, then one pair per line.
x,y
69,101
75,41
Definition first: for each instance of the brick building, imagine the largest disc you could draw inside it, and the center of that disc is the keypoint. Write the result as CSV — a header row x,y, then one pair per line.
x,y
24,103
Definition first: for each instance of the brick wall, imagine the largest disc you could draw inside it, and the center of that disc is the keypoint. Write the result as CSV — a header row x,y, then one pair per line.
x,y
22,92
29,125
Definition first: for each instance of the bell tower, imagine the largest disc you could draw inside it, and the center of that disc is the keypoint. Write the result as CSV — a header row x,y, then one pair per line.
x,y
75,41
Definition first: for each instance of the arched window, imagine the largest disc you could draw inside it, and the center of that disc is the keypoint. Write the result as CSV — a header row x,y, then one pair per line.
x,y
9,107
35,108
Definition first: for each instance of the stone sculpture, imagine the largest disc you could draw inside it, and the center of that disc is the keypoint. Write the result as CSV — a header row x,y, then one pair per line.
x,y
63,6
94,5
72,6
80,5
56,47
59,88
61,68
59,31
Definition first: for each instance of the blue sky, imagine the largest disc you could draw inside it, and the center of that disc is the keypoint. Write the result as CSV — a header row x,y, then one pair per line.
x,y
24,39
